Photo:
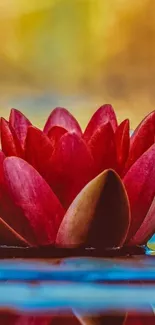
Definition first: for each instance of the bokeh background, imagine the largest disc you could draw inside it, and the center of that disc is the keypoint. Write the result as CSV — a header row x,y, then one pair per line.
x,y
78,54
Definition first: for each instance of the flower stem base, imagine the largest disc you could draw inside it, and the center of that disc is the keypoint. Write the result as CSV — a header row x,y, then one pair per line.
x,y
51,251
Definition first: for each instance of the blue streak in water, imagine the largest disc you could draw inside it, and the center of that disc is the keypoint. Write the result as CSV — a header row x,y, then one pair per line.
x,y
48,297
79,270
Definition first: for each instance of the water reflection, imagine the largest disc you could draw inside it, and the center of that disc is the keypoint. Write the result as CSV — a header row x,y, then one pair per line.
x,y
90,291
85,297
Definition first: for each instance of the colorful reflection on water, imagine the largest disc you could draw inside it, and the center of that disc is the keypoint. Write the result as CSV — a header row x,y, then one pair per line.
x,y
90,291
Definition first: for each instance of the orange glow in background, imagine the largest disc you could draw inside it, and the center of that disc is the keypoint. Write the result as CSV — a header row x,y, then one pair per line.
x,y
78,54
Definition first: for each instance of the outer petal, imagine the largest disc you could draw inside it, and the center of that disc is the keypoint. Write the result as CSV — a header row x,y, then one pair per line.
x,y
99,216
65,320
103,149
122,138
141,139
41,208
10,226
13,319
61,117
72,166
102,320
103,115
55,133
10,237
10,213
147,228
140,186
140,319
9,142
33,320
38,150
19,123
2,157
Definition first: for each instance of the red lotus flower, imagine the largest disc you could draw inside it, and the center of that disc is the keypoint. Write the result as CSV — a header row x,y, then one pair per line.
x,y
63,186
66,187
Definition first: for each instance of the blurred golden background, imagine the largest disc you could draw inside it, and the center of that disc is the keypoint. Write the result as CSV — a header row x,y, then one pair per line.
x,y
78,54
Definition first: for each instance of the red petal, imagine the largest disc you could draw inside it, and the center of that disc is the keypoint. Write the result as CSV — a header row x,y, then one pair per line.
x,y
103,149
38,150
32,195
141,139
111,319
61,117
8,210
13,319
147,228
65,320
8,236
103,115
122,138
9,142
55,133
10,227
71,167
19,123
140,186
33,320
140,319
2,157
99,216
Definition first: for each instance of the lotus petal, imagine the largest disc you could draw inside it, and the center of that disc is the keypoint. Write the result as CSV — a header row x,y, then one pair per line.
x,y
61,117
55,133
38,150
15,319
139,183
19,123
8,210
103,115
103,149
2,157
101,320
147,228
140,319
11,214
72,167
42,212
99,216
141,139
122,138
8,236
65,320
9,142
33,320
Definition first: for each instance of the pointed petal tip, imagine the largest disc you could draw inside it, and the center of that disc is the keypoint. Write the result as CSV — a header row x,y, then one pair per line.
x,y
9,142
122,140
60,116
141,139
103,115
3,120
38,151
19,124
16,112
99,215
